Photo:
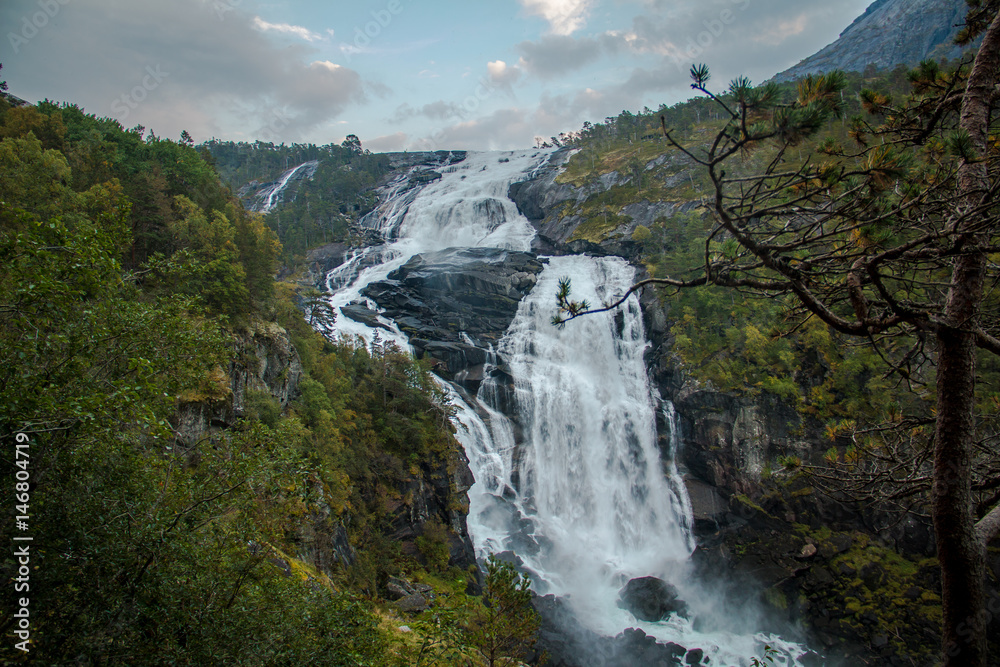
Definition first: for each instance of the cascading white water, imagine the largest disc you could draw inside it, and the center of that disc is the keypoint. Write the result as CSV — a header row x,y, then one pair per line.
x,y
468,207
267,198
591,480
590,469
584,499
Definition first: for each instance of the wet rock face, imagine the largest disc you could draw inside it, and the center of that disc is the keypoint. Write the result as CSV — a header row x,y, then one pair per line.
x,y
651,599
425,158
567,643
320,261
437,297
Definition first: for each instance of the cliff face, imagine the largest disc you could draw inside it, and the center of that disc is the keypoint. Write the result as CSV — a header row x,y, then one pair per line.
x,y
806,552
890,33
263,361
265,365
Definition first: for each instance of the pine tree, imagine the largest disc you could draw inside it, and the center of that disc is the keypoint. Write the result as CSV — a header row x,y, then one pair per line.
x,y
887,241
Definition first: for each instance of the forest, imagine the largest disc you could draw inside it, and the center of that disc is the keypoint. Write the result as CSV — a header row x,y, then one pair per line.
x,y
136,287
206,479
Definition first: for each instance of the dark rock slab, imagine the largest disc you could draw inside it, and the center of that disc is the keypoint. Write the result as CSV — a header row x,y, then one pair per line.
x,y
651,599
567,643
364,315
694,656
412,604
437,297
425,158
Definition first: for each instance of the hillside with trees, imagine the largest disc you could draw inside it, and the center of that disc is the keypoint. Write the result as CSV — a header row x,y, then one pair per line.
x,y
319,210
877,227
194,451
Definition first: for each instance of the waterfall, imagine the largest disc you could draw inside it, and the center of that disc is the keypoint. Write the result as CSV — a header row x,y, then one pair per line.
x,y
467,207
590,472
583,495
269,196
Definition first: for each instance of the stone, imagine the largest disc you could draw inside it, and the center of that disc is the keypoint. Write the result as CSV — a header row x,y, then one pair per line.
x,y
364,315
398,589
808,551
412,604
838,544
708,507
439,296
651,599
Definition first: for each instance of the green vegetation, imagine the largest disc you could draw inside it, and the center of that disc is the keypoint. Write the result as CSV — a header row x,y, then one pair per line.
x,y
133,285
737,343
865,211
496,630
316,211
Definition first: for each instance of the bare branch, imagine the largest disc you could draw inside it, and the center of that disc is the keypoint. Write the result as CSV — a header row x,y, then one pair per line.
x,y
988,527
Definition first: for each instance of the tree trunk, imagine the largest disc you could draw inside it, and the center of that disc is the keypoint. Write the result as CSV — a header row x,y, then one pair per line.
x,y
961,553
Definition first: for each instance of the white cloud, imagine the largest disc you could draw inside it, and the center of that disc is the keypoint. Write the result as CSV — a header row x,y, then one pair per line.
x,y
564,16
783,30
288,29
387,143
502,74
325,65
217,75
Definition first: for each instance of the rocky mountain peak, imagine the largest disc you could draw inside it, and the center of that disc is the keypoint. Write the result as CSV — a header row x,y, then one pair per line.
x,y
889,33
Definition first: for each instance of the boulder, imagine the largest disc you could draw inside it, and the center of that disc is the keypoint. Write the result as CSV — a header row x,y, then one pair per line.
x,y
412,604
694,656
565,642
651,599
447,300
364,315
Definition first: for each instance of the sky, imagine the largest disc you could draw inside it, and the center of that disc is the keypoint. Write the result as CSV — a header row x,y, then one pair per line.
x,y
399,74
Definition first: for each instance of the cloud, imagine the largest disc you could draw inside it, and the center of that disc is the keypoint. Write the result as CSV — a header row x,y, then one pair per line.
x,y
733,36
783,30
564,16
439,110
387,143
502,129
288,29
502,74
217,73
555,55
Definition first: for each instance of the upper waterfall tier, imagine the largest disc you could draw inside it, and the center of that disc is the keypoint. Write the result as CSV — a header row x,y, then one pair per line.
x,y
459,205
428,209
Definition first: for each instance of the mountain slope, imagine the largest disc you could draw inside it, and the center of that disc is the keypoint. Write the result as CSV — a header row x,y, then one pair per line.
x,y
889,33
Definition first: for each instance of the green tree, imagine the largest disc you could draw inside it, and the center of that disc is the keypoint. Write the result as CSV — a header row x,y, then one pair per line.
x,y
888,241
352,143
147,551
505,629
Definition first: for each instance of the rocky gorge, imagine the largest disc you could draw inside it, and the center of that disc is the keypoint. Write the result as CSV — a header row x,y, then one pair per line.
x,y
840,574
